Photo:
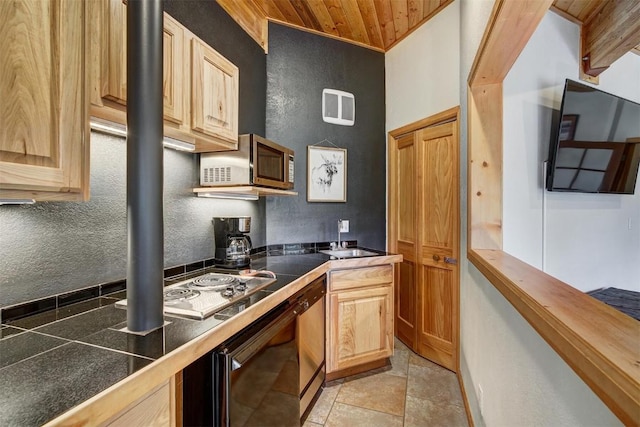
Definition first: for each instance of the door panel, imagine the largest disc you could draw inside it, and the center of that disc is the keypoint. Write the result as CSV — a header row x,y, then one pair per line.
x,y
43,110
353,345
439,218
406,303
404,217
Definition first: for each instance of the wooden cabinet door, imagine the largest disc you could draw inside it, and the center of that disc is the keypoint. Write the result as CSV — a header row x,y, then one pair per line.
x,y
214,93
438,234
155,409
361,327
403,213
114,61
174,77
44,145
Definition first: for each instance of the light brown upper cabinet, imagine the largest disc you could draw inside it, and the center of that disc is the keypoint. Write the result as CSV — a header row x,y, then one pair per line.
x,y
200,86
214,93
44,144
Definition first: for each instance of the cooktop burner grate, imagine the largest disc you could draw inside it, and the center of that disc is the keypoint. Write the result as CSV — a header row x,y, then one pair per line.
x,y
213,281
176,295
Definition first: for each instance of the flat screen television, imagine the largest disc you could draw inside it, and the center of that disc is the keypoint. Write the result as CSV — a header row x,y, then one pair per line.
x,y
596,148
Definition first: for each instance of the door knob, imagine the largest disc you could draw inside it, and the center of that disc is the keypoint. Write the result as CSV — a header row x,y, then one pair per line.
x,y
436,258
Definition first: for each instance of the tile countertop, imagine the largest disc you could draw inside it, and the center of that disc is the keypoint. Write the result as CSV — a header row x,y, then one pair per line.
x,y
48,368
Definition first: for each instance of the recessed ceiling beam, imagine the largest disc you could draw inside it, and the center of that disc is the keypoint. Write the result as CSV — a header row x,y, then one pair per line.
x,y
610,33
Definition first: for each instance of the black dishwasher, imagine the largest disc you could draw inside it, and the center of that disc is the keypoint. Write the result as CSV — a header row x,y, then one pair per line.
x,y
266,375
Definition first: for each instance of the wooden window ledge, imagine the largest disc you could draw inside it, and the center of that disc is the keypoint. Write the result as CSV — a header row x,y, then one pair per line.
x,y
600,343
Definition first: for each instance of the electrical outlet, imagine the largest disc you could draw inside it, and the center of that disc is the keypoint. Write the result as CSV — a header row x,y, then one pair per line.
x,y
344,225
480,400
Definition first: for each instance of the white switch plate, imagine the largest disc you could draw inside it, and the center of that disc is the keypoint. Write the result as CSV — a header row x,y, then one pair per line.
x,y
344,226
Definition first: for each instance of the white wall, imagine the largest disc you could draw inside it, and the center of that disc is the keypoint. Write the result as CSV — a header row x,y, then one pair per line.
x,y
524,381
582,239
422,71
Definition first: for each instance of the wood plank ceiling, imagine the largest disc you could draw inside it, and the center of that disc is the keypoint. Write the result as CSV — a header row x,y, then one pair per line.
x,y
376,24
380,24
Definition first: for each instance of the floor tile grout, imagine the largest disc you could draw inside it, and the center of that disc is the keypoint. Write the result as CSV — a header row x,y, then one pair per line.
x,y
451,409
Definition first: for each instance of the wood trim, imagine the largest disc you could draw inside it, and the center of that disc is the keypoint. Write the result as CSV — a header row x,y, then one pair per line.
x,y
484,196
443,117
320,33
597,341
376,364
505,38
465,399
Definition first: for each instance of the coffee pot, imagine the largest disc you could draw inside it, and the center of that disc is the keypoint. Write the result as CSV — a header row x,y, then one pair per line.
x,y
233,245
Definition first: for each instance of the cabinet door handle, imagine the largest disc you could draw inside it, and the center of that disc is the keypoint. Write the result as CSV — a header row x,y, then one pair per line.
x,y
450,260
436,258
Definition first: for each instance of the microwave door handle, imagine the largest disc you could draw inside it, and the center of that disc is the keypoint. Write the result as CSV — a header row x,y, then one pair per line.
x,y
255,344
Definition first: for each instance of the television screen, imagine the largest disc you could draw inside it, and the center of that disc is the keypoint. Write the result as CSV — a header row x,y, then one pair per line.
x,y
597,143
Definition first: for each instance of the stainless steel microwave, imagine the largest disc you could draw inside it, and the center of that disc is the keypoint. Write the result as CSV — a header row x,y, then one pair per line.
x,y
257,161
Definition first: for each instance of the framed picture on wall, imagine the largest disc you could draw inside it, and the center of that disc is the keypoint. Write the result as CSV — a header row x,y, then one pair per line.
x,y
568,127
326,174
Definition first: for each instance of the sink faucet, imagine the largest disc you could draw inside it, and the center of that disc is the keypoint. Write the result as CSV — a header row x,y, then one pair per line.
x,y
339,227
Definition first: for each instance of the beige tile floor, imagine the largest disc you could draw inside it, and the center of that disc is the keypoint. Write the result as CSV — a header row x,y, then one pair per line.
x,y
414,392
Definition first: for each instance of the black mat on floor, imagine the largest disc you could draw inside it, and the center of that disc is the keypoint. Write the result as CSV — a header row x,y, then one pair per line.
x,y
626,301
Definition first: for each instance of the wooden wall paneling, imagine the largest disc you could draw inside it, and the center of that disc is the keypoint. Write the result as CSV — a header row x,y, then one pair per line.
x,y
319,9
370,21
416,12
609,34
287,11
400,17
387,26
305,13
484,197
430,6
339,18
356,23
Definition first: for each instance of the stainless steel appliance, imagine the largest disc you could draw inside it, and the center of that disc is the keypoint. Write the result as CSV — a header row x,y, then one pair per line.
x,y
233,244
266,375
257,161
200,297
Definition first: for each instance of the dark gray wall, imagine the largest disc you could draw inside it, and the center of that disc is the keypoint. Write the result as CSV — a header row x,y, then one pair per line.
x,y
299,66
52,248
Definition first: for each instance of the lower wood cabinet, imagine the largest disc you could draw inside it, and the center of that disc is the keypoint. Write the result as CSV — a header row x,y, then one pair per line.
x,y
155,409
359,318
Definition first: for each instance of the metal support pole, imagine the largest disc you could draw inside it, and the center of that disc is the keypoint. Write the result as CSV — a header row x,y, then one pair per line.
x,y
145,259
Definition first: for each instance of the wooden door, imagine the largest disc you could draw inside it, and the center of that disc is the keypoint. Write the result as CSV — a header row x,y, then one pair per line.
x,y
438,244
403,216
44,135
214,93
360,330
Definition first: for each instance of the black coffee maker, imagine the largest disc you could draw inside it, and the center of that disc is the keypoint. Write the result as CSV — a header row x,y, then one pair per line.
x,y
233,244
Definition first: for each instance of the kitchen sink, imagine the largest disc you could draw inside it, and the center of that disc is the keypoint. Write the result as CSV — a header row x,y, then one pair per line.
x,y
349,253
